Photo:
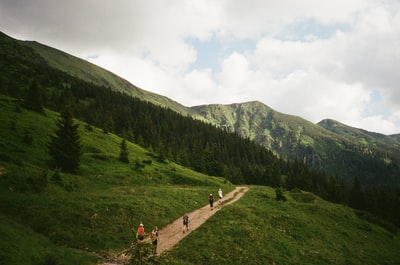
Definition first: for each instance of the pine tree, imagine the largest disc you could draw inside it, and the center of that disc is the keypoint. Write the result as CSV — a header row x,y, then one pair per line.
x,y
33,99
123,155
356,199
65,147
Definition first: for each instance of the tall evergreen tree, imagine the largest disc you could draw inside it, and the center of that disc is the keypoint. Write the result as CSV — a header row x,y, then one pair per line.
x,y
65,147
356,196
123,155
33,99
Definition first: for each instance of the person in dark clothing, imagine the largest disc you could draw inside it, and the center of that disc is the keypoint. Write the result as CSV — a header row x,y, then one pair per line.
x,y
185,223
211,200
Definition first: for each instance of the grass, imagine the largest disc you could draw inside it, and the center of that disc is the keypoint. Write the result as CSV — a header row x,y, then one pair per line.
x,y
260,230
93,210
48,217
21,245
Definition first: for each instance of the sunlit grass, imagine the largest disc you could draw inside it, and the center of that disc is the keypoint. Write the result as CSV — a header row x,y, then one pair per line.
x,y
260,230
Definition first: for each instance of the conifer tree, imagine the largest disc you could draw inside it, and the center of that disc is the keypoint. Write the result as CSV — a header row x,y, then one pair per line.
x,y
123,155
65,147
33,99
356,199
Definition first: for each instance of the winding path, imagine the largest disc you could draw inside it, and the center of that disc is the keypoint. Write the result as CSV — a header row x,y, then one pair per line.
x,y
173,232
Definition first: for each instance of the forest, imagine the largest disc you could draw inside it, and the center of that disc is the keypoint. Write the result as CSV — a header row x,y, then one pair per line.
x,y
182,139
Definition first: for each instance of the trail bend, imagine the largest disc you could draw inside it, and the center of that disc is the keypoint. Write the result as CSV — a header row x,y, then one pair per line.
x,y
171,234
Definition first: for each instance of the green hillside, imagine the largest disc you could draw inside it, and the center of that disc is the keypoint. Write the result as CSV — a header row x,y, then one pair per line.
x,y
91,211
330,147
363,137
89,72
49,217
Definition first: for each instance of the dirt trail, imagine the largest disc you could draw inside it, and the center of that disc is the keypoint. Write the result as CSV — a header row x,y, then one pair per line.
x,y
173,233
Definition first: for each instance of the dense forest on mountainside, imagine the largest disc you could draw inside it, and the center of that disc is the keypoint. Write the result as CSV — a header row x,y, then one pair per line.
x,y
189,142
335,149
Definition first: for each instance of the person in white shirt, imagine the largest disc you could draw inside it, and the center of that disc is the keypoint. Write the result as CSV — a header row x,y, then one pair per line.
x,y
220,195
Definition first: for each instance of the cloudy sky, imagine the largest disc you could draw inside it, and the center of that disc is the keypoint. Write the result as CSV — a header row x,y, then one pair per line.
x,y
312,58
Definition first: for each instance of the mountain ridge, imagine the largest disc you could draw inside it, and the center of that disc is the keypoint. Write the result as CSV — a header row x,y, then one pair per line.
x,y
337,149
88,71
326,148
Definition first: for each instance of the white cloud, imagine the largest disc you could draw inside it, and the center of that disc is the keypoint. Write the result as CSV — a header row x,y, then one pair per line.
x,y
377,123
254,18
197,83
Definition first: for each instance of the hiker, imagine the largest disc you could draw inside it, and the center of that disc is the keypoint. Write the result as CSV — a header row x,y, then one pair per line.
x,y
220,195
140,232
155,238
211,200
185,222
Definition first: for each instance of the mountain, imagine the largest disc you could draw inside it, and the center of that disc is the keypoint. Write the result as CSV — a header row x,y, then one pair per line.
x,y
329,146
388,142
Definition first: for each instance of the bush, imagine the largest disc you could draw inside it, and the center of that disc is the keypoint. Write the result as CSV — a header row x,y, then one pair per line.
x,y
279,194
56,178
140,252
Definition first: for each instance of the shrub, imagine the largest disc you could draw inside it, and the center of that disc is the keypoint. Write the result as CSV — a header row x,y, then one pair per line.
x,y
279,194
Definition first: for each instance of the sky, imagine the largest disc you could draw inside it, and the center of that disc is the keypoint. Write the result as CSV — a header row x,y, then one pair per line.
x,y
316,59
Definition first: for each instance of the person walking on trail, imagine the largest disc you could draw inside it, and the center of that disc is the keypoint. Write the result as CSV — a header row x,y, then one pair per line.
x,y
155,238
211,200
140,232
220,195
185,222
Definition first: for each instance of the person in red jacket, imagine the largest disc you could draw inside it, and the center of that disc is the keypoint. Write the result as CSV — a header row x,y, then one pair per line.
x,y
140,232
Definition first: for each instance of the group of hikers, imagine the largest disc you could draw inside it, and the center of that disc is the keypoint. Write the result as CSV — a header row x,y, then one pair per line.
x,y
211,198
155,235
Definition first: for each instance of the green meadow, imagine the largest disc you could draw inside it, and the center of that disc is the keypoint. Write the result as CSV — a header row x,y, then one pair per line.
x,y
50,217
305,229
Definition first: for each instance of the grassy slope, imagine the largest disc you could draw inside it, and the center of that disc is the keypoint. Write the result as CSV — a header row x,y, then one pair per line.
x,y
303,230
94,210
51,223
21,245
